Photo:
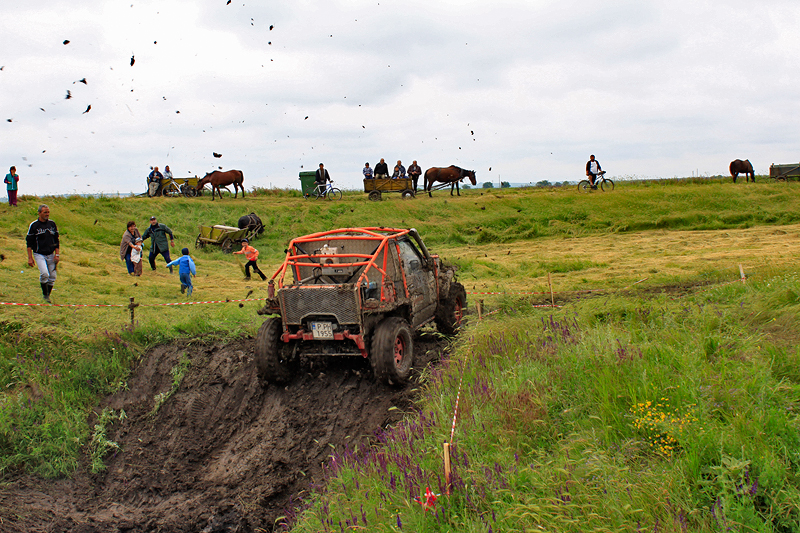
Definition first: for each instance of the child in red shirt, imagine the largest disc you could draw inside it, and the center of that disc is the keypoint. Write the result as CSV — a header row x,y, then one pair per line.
x,y
252,255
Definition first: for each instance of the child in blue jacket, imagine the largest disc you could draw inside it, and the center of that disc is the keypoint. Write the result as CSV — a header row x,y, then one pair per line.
x,y
186,270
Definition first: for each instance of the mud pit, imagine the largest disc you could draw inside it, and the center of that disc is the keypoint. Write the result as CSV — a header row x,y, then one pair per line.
x,y
224,454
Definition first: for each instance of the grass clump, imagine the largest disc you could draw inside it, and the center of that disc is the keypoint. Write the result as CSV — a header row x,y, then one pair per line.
x,y
99,444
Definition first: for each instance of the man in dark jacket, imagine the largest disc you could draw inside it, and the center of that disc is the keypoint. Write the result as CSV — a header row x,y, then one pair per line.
x,y
159,243
381,170
43,249
321,177
414,171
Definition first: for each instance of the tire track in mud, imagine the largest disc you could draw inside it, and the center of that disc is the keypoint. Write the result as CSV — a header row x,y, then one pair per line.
x,y
224,453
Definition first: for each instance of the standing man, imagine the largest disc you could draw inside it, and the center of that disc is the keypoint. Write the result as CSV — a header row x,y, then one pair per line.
x,y
43,249
592,170
414,171
11,181
159,243
381,170
321,177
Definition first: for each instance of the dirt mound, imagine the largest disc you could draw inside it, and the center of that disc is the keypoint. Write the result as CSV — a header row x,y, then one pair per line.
x,y
225,453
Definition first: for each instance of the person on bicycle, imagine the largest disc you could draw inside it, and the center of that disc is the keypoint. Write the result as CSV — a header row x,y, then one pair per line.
x,y
321,176
592,170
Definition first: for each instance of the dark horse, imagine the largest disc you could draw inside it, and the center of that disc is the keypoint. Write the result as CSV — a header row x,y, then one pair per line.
x,y
219,179
451,175
742,167
252,222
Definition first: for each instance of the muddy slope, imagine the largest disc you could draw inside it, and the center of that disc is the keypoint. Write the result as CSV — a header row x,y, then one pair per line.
x,y
224,454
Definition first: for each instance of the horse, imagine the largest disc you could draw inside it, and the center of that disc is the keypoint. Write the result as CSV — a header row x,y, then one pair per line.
x,y
252,222
742,167
218,180
451,175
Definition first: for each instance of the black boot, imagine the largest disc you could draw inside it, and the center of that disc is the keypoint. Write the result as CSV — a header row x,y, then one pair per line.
x,y
45,292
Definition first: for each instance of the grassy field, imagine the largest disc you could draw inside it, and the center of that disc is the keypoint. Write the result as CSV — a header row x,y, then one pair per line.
x,y
657,396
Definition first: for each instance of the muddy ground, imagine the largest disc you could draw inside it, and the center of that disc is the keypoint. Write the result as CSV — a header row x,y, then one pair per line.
x,y
224,454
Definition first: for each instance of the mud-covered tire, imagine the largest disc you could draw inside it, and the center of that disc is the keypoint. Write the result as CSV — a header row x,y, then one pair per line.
x,y
374,196
392,352
273,357
450,315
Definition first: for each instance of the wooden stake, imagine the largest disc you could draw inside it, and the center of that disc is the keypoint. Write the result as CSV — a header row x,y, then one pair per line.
x,y
480,309
447,467
132,306
550,284
741,273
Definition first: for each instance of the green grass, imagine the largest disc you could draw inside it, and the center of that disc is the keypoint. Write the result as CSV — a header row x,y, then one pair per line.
x,y
555,430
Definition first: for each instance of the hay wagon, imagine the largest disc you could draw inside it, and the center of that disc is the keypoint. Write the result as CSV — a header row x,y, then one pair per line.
x,y
784,172
223,236
376,187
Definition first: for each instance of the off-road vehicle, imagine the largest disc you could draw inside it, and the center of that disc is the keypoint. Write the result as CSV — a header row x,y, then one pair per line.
x,y
356,291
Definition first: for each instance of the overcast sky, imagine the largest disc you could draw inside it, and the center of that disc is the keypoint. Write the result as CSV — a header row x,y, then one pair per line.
x,y
527,89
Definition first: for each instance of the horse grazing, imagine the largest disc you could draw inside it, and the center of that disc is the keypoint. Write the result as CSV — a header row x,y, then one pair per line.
x,y
218,180
252,222
452,175
742,167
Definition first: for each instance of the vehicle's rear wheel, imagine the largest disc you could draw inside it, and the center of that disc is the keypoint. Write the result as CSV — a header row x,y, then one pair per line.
x,y
450,315
374,195
392,351
584,186
199,243
227,245
407,194
188,191
273,357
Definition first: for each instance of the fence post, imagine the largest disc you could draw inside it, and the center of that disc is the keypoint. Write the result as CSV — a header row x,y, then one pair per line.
x,y
132,306
550,284
480,309
741,273
447,467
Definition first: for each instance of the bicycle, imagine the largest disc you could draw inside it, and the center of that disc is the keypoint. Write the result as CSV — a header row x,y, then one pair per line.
x,y
172,189
605,183
326,190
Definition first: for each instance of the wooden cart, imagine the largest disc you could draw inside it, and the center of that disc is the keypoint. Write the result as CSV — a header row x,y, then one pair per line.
x,y
376,187
224,236
784,172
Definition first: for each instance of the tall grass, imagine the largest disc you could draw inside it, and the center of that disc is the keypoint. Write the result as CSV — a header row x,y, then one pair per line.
x,y
638,414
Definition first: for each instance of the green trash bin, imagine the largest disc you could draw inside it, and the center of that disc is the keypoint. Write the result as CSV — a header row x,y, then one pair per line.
x,y
307,182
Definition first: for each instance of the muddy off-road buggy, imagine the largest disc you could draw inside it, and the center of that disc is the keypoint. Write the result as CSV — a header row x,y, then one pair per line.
x,y
356,291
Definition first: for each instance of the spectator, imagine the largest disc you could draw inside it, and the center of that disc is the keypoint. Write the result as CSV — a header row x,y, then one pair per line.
x,y
592,170
402,169
367,171
396,173
159,243
381,170
127,244
186,270
43,249
414,171
321,176
154,182
136,256
11,181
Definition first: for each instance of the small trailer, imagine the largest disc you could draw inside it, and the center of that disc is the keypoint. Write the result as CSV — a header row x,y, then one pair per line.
x,y
376,187
224,236
784,172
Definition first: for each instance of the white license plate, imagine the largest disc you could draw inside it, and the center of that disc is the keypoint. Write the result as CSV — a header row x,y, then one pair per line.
x,y
322,330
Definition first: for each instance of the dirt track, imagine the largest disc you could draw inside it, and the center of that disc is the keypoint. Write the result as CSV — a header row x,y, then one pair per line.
x,y
224,454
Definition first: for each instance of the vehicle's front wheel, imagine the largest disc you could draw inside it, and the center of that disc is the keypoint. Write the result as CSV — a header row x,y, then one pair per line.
x,y
375,196
392,351
273,357
607,185
450,315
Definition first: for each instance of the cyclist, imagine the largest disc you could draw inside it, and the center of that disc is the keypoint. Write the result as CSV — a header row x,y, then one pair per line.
x,y
592,170
321,176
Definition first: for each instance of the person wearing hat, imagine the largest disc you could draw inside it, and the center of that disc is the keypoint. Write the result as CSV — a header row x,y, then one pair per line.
x,y
159,243
252,255
186,270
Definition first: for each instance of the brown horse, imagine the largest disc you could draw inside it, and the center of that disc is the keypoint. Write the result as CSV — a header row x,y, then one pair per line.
x,y
218,180
742,167
452,175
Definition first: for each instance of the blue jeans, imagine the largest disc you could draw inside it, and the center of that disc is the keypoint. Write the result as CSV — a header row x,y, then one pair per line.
x,y
129,263
186,281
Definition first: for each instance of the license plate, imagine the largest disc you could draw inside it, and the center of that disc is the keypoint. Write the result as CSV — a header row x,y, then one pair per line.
x,y
322,330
